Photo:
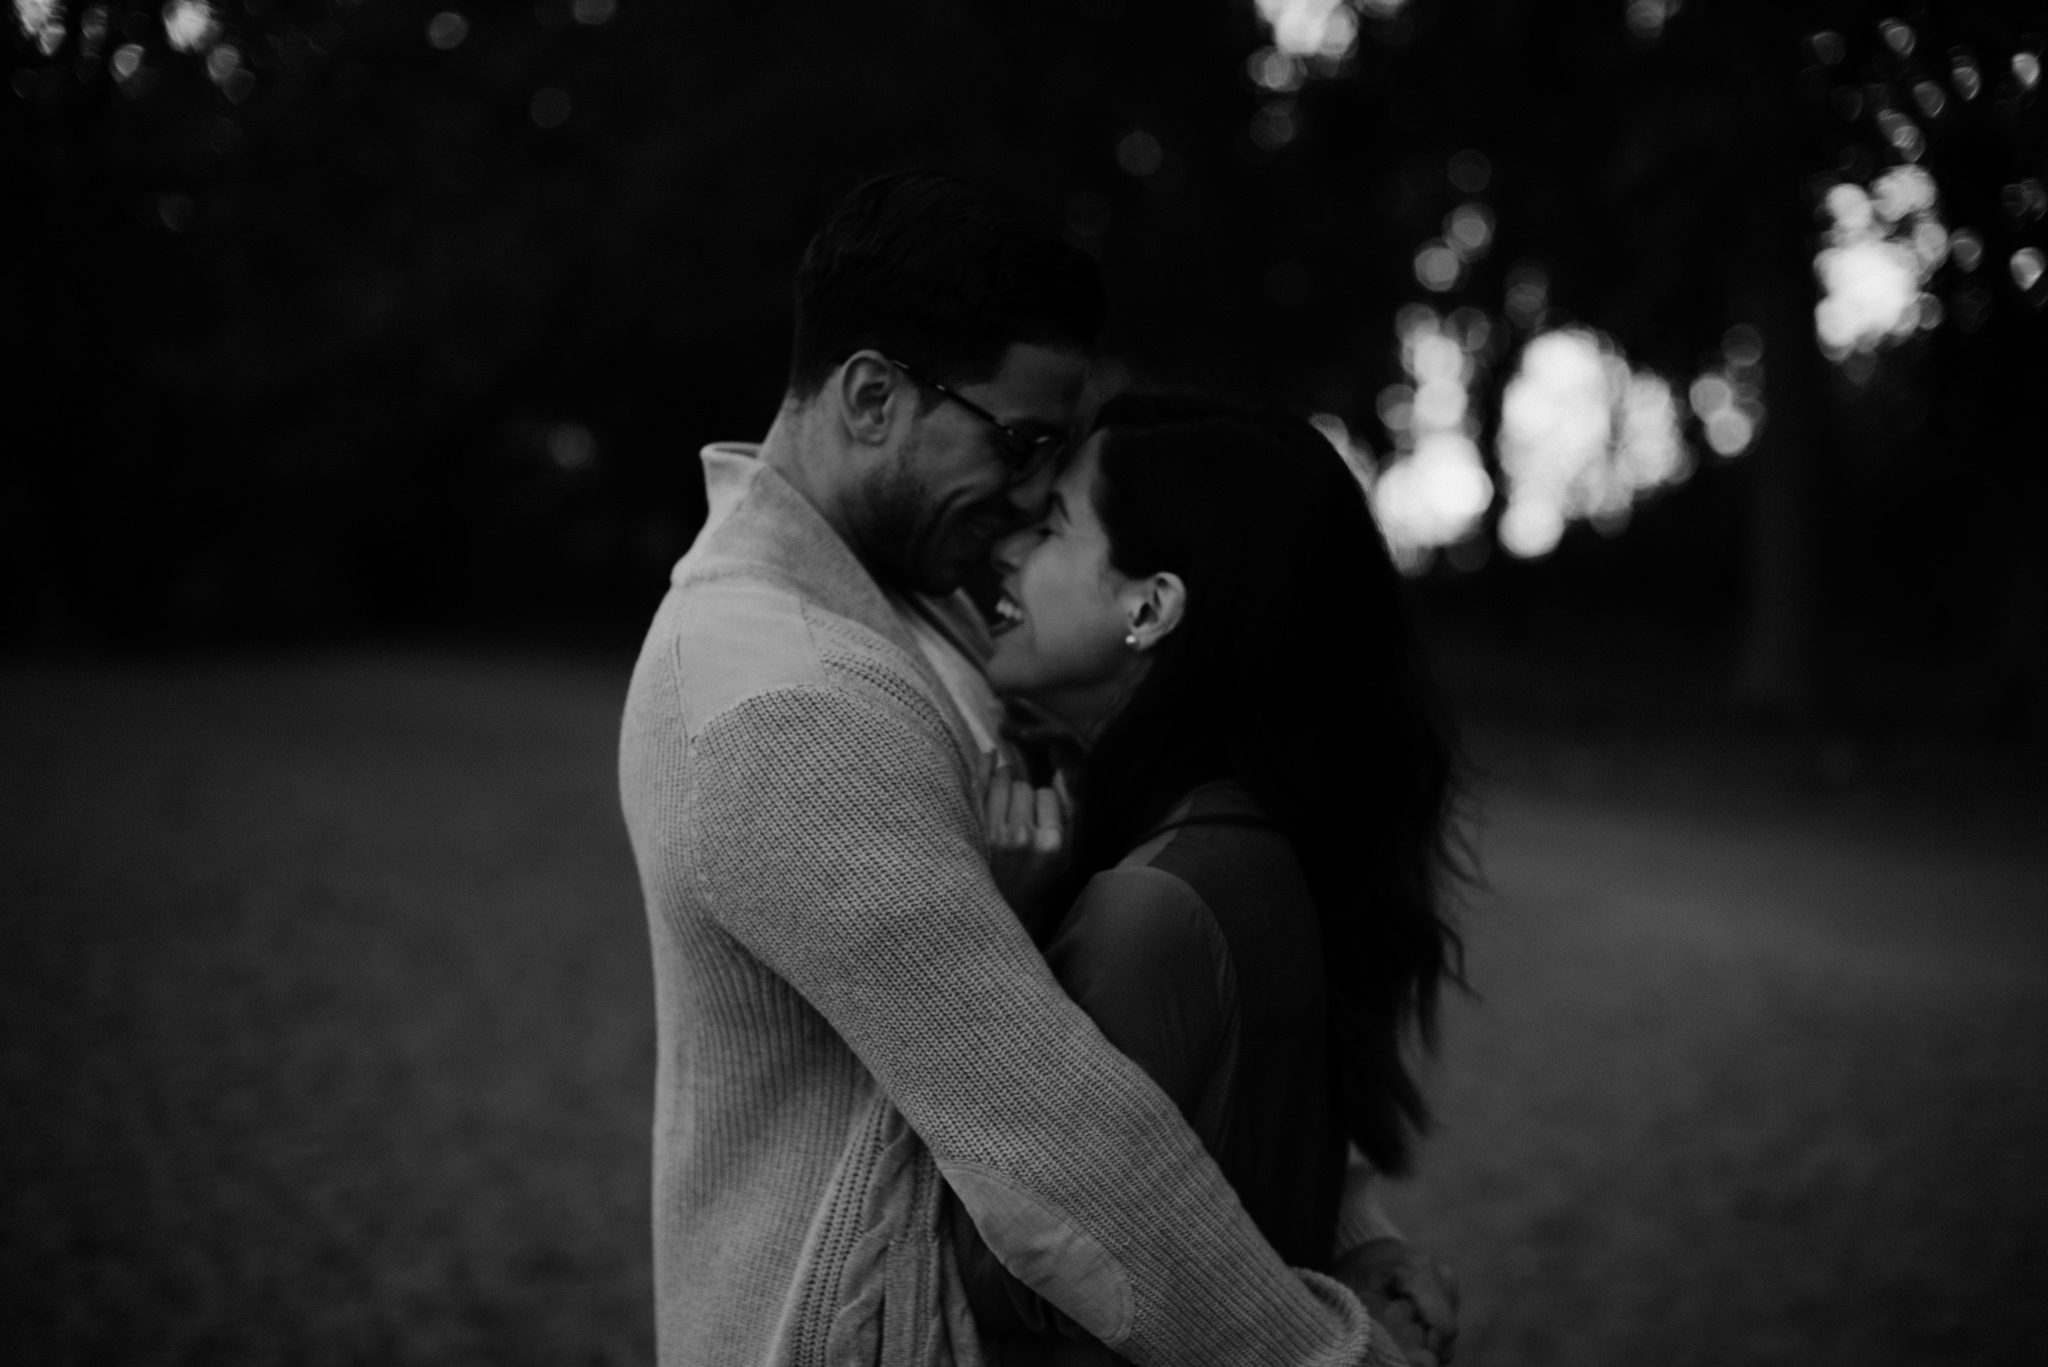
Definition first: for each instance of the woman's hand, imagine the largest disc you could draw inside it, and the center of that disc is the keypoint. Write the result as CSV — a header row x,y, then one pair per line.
x,y
1028,837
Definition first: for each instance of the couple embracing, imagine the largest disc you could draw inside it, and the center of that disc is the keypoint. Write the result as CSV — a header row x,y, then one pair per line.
x,y
979,1050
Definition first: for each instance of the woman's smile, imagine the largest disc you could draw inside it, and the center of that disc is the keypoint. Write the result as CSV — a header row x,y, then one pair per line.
x,y
1008,614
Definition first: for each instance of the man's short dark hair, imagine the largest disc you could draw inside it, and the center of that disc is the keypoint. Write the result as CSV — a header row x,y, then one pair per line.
x,y
934,273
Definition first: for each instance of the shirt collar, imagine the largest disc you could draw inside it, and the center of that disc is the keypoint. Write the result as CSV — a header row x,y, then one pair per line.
x,y
756,517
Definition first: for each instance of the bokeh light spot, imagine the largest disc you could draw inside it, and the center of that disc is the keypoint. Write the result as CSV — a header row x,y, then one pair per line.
x,y
1140,153
1962,69
1829,47
1528,296
174,211
1469,230
1470,171
1531,528
447,29
1396,407
1311,28
1898,36
92,30
1728,432
42,23
2026,68
550,107
1273,127
1729,401
1743,345
190,25
1646,18
1902,191
2026,268
1437,267
1271,69
126,61
1433,490
1966,247
1870,286
1583,436
1930,244
2025,200
1710,394
1903,134
1879,251
594,12
572,446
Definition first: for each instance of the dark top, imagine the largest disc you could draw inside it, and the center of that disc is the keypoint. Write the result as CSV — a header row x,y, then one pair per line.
x,y
1200,956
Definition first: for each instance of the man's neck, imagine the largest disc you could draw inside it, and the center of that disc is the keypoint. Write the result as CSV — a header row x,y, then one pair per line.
x,y
795,449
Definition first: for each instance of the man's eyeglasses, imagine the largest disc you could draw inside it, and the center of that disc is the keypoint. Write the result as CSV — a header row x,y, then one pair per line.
x,y
1024,453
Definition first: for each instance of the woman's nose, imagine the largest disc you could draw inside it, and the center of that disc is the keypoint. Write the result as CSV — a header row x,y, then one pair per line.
x,y
1009,551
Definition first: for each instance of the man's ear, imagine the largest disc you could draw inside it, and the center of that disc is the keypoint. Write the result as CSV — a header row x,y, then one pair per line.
x,y
1160,601
868,392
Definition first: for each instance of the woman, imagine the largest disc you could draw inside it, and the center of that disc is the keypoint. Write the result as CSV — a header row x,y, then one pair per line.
x,y
1262,841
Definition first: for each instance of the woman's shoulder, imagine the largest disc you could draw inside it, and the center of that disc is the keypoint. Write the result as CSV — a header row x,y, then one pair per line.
x,y
1215,830
1243,870
1138,912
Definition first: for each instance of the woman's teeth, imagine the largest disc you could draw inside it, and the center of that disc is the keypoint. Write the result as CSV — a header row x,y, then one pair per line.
x,y
1009,612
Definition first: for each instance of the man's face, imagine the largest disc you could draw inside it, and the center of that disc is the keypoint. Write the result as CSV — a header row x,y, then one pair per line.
x,y
937,507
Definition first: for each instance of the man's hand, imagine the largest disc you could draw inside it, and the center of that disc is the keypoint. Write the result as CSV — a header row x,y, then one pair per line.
x,y
1028,845
1412,1295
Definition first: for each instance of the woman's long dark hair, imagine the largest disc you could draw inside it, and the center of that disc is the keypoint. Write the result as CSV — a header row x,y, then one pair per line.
x,y
1295,671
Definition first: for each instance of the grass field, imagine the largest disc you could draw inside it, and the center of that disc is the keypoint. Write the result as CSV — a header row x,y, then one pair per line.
x,y
327,1039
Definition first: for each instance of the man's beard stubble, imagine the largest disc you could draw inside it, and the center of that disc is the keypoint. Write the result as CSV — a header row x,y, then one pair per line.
x,y
896,527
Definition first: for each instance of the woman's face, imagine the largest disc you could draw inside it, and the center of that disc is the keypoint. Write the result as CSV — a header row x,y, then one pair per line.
x,y
1061,622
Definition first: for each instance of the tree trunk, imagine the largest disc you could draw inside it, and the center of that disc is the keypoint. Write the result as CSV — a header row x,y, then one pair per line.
x,y
1775,676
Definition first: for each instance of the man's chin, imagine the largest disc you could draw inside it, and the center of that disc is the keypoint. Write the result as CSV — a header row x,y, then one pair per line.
x,y
941,569
940,580
956,568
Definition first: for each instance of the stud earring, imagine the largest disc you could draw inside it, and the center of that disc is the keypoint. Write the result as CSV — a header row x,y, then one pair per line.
x,y
1131,639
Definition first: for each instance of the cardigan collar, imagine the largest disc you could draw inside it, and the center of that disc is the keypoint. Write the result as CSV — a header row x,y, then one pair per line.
x,y
757,517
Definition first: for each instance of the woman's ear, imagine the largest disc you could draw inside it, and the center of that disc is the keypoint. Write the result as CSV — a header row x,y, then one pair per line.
x,y
863,386
1159,602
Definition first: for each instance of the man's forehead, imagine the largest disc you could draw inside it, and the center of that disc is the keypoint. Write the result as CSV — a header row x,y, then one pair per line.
x,y
1038,383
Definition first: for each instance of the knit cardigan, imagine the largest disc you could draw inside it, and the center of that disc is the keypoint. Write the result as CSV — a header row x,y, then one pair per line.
x,y
848,1012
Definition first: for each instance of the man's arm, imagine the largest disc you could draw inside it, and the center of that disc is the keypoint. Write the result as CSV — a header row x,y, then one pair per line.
x,y
1360,1216
1141,955
837,841
1409,1292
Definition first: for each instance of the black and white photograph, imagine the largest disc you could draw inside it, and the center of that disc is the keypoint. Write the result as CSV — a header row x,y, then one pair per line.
x,y
1037,683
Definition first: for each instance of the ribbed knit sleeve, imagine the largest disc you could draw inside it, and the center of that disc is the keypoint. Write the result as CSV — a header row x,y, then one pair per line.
x,y
834,836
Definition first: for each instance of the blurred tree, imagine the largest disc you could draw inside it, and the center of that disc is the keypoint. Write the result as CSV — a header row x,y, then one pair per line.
x,y
396,313
349,312
1664,164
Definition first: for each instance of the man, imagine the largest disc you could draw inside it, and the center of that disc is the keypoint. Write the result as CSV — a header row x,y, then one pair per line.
x,y
848,1010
